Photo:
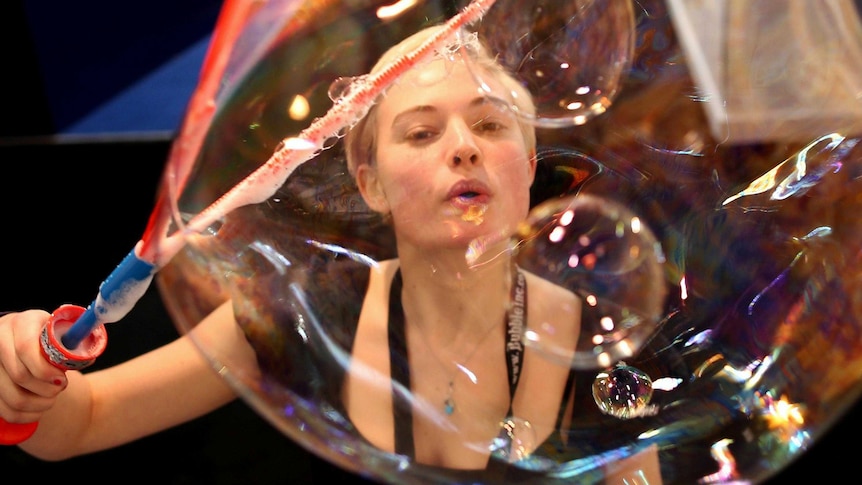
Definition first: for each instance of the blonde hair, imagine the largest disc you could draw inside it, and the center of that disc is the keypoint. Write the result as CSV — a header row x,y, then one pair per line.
x,y
360,142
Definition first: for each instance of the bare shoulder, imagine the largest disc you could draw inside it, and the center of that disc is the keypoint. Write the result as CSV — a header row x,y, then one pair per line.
x,y
385,270
223,337
550,292
553,309
375,306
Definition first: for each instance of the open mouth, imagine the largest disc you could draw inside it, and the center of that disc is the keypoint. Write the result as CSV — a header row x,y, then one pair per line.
x,y
471,199
465,200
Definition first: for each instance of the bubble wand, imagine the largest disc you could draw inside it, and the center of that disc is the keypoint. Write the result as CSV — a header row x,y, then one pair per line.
x,y
75,345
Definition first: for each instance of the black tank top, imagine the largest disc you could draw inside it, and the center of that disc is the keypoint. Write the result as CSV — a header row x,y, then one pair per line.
x,y
516,319
350,279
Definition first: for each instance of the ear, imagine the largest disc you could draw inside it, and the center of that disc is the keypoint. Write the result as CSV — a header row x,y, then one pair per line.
x,y
532,162
371,188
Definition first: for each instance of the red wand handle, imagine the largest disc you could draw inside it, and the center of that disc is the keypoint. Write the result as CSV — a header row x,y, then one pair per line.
x,y
59,356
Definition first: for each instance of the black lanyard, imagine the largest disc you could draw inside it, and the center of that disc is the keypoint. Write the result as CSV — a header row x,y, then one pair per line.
x,y
516,320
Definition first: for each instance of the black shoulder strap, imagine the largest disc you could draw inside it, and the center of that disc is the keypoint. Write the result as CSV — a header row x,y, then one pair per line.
x,y
400,368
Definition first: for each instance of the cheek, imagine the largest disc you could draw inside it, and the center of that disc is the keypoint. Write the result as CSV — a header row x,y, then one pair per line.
x,y
516,170
407,182
405,169
517,180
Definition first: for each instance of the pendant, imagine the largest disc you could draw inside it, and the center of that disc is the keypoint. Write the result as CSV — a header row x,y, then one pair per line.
x,y
449,403
449,406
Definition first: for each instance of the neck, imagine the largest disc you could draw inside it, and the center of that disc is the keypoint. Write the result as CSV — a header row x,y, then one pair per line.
x,y
452,269
452,305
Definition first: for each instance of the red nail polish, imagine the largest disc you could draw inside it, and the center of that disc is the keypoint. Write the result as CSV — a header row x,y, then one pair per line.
x,y
58,381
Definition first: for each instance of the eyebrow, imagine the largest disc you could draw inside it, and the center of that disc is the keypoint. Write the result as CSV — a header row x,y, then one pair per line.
x,y
426,108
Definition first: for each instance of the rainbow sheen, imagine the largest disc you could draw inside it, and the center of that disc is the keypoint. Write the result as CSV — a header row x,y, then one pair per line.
x,y
724,266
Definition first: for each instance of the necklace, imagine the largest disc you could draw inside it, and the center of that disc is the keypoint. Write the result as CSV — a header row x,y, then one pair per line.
x,y
515,321
449,402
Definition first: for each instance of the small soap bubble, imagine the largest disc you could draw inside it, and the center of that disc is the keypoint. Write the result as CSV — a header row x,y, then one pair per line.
x,y
623,391
606,254
516,441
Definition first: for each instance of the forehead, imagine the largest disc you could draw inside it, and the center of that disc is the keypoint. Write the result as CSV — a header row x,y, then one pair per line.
x,y
438,82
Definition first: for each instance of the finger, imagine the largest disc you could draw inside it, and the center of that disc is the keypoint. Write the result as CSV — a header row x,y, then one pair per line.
x,y
20,357
18,405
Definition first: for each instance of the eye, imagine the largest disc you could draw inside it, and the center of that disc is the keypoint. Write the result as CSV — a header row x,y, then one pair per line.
x,y
492,116
486,125
420,133
490,125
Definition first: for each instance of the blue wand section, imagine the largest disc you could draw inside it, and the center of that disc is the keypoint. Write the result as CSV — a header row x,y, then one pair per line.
x,y
117,296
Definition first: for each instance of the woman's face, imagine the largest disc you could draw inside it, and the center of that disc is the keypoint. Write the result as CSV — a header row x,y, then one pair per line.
x,y
451,164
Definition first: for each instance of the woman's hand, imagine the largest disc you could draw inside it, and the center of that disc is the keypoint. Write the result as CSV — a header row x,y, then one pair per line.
x,y
29,385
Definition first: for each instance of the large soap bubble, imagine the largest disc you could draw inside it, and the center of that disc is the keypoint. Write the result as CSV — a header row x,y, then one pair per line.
x,y
691,286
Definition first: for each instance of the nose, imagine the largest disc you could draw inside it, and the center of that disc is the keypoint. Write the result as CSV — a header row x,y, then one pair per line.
x,y
472,158
465,149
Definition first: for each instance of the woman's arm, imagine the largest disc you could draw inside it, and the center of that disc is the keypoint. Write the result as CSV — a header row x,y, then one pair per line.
x,y
157,390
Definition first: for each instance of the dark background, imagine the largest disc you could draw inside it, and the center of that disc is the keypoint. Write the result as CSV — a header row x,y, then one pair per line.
x,y
94,93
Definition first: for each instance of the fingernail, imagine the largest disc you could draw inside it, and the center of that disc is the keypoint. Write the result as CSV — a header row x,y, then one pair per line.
x,y
58,381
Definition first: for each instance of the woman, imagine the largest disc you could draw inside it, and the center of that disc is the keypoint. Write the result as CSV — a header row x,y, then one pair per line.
x,y
450,167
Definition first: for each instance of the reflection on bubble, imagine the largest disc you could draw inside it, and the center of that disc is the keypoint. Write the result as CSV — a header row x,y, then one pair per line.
x,y
572,55
605,253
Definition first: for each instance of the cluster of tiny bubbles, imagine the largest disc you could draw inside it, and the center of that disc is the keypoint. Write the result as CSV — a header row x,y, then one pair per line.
x,y
572,55
342,86
515,444
623,391
605,253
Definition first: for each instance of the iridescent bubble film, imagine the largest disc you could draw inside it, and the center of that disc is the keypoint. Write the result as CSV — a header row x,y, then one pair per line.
x,y
701,209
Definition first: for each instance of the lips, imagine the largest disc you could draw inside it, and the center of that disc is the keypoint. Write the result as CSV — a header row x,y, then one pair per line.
x,y
468,193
